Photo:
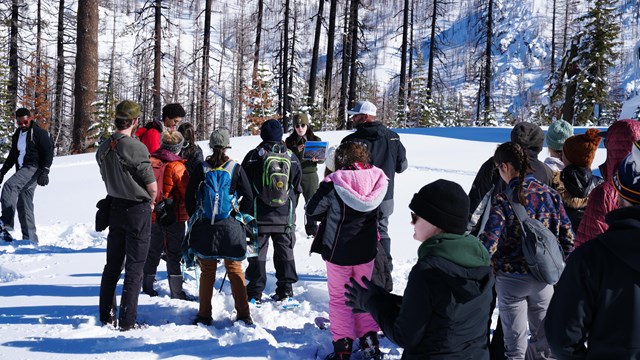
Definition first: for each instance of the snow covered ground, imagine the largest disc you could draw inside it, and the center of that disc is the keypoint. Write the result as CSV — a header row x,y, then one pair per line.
x,y
49,292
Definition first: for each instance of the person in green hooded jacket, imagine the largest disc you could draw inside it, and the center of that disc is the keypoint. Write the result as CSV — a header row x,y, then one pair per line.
x,y
445,307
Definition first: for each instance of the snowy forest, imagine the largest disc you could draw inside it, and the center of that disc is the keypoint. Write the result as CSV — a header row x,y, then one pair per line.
x,y
235,63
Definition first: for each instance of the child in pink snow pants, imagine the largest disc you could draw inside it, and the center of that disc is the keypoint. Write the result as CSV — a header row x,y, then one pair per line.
x,y
346,204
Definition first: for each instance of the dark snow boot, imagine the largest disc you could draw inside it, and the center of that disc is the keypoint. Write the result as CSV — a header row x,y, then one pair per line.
x,y
4,235
370,346
147,285
341,350
175,286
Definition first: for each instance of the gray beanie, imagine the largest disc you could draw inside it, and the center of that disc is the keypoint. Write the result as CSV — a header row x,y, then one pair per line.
x,y
219,137
558,132
172,141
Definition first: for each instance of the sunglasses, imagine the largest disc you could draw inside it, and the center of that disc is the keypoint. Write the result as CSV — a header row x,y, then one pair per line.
x,y
300,126
414,218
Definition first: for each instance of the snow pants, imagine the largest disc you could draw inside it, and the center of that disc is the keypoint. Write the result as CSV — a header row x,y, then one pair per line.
x,y
310,183
236,279
17,194
521,300
283,261
344,323
127,246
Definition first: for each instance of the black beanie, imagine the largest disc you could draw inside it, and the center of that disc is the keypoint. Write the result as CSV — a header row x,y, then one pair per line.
x,y
271,130
529,136
444,204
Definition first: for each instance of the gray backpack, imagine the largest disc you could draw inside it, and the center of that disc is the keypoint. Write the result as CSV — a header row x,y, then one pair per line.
x,y
540,246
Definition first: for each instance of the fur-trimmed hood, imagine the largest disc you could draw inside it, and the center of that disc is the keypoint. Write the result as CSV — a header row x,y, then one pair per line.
x,y
363,189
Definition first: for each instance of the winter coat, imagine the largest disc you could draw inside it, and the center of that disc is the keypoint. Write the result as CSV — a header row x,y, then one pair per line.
x,y
270,219
39,152
597,297
347,203
193,156
574,184
604,198
446,304
174,181
225,239
150,135
293,141
385,148
502,235
488,178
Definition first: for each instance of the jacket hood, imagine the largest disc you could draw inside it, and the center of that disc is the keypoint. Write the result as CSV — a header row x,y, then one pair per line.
x,y
370,130
463,261
166,155
623,236
579,181
463,250
620,136
362,190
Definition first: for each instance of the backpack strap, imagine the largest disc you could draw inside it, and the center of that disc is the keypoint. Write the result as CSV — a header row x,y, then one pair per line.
x,y
232,168
518,209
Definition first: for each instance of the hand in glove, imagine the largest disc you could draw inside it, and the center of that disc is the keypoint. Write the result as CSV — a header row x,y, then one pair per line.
x,y
43,178
358,296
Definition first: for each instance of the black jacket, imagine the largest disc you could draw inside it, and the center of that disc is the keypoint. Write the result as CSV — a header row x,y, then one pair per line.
x,y
444,311
597,297
578,183
488,177
385,148
224,238
272,219
194,157
39,149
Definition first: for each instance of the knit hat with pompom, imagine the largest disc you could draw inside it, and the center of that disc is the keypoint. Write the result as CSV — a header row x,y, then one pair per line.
x,y
580,150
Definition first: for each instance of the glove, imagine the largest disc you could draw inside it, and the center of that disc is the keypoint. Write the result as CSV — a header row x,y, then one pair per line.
x,y
358,297
43,178
1,177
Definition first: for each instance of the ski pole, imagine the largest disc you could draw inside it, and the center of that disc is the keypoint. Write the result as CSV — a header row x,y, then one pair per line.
x,y
223,279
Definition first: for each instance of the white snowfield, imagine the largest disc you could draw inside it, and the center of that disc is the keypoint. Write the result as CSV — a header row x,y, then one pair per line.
x,y
49,292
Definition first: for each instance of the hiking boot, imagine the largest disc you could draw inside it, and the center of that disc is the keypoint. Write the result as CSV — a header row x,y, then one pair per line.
x,y
4,235
175,286
341,350
282,295
147,285
370,346
206,321
254,299
245,319
133,326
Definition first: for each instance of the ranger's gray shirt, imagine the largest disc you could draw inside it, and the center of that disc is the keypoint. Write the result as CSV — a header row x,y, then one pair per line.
x,y
126,170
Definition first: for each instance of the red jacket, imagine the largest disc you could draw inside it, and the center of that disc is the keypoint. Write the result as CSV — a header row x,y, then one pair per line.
x,y
150,136
620,137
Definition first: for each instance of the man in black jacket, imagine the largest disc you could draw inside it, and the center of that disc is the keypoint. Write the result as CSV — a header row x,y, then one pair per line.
x,y
275,216
596,300
32,154
387,153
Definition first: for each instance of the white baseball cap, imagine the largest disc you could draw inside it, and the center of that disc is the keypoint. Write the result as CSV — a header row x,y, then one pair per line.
x,y
363,107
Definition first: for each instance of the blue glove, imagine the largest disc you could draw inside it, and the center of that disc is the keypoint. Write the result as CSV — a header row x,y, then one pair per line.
x,y
358,296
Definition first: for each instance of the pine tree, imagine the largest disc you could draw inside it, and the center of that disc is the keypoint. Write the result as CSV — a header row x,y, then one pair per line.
x,y
260,100
597,42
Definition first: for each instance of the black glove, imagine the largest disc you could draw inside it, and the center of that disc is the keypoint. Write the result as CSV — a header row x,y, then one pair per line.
x,y
43,178
358,296
1,177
